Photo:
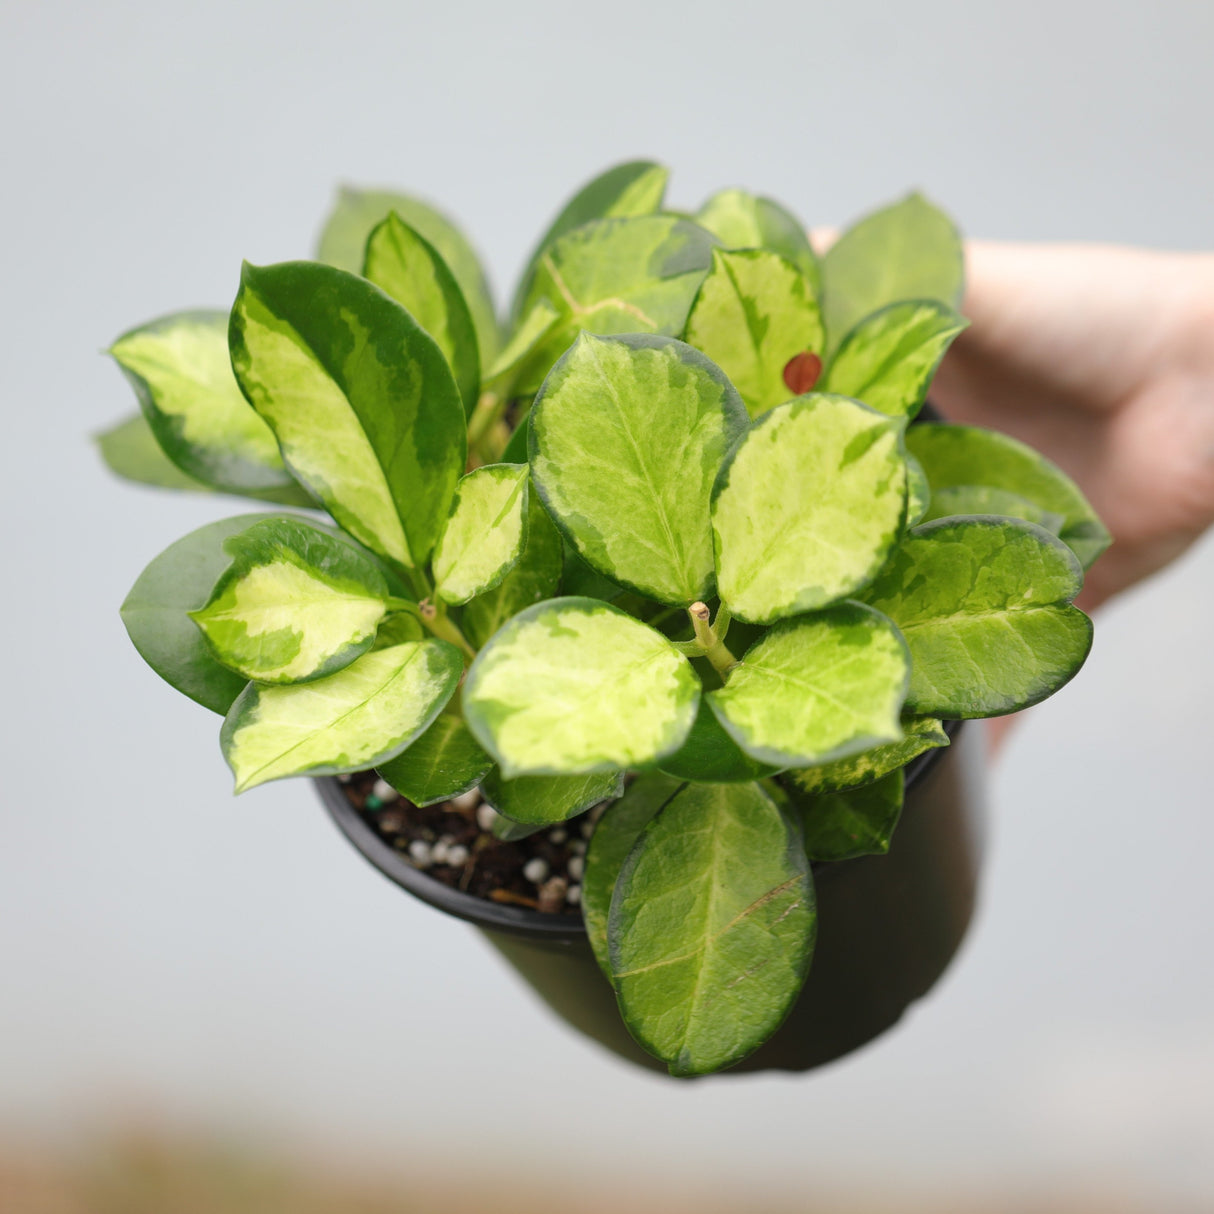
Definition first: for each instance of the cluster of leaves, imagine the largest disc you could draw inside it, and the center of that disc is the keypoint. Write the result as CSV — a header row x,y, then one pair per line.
x,y
671,521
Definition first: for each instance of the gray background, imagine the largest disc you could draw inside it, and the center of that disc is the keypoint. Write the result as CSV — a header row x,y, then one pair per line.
x,y
169,952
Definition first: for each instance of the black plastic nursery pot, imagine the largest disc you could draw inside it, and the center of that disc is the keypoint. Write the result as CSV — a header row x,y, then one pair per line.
x,y
888,926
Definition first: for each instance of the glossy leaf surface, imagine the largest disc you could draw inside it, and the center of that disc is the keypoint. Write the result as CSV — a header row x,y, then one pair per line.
x,y
983,499
859,822
573,686
623,191
626,439
360,397
807,507
889,358
484,535
711,755
535,577
616,276
181,373
711,927
754,312
743,221
410,269
921,734
918,492
443,762
910,250
966,455
614,835
817,688
296,603
357,718
357,213
984,607
539,800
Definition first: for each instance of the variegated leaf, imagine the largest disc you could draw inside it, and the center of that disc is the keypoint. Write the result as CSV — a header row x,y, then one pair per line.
x,y
807,507
910,250
954,500
484,535
535,577
623,191
889,358
858,822
918,493
984,605
742,221
540,800
354,719
181,373
626,439
156,613
443,763
361,398
573,686
712,926
920,734
965,455
711,756
817,689
754,312
409,268
614,835
520,349
616,276
295,604
357,213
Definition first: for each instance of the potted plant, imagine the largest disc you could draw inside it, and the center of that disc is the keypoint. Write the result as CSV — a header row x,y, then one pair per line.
x,y
654,593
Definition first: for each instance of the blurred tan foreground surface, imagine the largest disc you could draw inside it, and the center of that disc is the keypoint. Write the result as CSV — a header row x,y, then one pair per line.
x,y
142,1174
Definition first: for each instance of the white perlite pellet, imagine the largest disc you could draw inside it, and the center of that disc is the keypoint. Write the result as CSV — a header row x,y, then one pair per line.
x,y
384,791
573,895
558,834
438,853
577,866
587,829
457,855
535,870
486,816
466,800
419,853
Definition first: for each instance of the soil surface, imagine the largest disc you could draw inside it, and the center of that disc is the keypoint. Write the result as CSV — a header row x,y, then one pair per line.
x,y
453,842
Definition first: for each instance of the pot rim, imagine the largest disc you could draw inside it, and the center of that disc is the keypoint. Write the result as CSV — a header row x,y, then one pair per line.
x,y
498,916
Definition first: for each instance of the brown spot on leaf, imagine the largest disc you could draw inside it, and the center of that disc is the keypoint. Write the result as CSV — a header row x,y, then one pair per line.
x,y
801,372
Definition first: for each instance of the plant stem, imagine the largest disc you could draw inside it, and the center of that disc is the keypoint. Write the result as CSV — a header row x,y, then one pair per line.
x,y
443,627
485,416
714,647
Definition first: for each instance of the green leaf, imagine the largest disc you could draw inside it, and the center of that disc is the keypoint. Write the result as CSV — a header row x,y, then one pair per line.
x,y
181,373
614,835
627,436
485,534
580,580
909,250
982,499
444,762
918,493
156,613
541,800
295,604
754,312
616,276
742,221
984,607
130,450
522,346
357,213
817,689
354,719
889,358
572,686
360,397
921,734
712,926
860,822
625,190
807,507
410,269
711,756
535,577
965,455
